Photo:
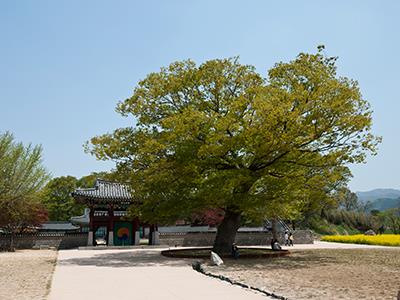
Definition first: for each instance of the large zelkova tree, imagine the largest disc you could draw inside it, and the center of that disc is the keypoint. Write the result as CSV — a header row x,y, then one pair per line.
x,y
22,176
219,135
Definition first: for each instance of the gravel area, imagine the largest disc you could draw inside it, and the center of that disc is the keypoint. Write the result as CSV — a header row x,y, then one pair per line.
x,y
26,274
322,273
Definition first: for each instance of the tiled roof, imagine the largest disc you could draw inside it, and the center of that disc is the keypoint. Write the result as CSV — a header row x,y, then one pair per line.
x,y
58,226
81,220
105,190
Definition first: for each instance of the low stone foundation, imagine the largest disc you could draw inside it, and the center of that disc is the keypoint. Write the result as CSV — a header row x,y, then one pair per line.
x,y
247,238
45,240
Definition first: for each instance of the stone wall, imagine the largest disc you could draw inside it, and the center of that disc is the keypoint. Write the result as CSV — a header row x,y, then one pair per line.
x,y
74,240
45,239
188,239
257,238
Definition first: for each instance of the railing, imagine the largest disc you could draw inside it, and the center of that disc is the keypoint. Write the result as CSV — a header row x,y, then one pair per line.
x,y
281,223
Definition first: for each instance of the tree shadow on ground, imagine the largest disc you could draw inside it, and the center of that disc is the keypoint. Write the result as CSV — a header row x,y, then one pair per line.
x,y
142,258
295,260
308,259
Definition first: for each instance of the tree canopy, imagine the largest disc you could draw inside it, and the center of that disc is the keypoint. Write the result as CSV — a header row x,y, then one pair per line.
x,y
56,195
219,135
22,175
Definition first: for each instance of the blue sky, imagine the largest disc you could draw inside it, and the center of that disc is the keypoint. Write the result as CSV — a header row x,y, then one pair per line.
x,y
65,64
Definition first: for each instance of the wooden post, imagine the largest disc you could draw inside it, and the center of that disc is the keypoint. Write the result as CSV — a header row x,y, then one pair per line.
x,y
135,232
91,233
110,226
151,229
155,236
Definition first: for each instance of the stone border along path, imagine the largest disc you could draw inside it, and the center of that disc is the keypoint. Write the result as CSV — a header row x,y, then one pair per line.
x,y
136,274
198,267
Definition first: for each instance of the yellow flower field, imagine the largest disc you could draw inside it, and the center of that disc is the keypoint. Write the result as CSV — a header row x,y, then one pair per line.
x,y
382,239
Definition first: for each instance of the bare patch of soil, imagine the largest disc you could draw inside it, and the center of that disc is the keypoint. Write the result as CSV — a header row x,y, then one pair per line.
x,y
322,274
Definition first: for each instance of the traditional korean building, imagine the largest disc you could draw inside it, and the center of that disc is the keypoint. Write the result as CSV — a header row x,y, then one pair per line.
x,y
108,203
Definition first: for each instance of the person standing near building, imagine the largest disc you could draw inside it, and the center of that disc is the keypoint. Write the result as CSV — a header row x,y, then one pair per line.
x,y
235,251
286,238
290,239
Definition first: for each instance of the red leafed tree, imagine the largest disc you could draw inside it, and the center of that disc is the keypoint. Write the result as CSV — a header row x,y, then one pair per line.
x,y
210,217
37,217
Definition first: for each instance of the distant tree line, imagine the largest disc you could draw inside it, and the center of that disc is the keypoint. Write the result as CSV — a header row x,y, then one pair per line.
x,y
56,195
349,215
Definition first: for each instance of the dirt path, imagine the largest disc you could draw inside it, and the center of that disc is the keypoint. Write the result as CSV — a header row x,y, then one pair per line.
x,y
26,274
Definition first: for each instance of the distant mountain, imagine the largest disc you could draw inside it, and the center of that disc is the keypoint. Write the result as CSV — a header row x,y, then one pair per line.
x,y
385,203
378,194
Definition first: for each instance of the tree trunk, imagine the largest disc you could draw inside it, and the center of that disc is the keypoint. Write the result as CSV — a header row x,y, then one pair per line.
x,y
226,232
274,229
11,248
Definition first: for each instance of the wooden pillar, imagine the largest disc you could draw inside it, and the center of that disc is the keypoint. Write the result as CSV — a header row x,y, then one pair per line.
x,y
136,232
110,226
91,232
154,238
151,234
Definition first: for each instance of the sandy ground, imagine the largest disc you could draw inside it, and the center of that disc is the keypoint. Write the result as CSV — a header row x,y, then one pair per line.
x,y
141,274
26,274
319,271
322,273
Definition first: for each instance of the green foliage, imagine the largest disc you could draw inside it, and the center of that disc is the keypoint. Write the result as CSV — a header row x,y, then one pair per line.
x,y
89,181
348,200
391,220
324,227
56,195
219,135
353,219
21,178
341,221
